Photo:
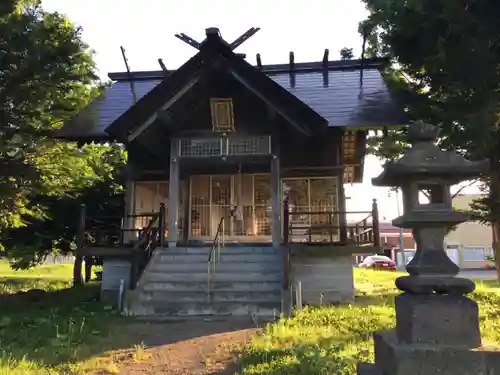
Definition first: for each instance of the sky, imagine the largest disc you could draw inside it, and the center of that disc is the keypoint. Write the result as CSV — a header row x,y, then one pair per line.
x,y
146,30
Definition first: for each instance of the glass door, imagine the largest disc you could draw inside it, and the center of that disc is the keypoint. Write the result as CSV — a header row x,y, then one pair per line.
x,y
221,202
242,199
199,203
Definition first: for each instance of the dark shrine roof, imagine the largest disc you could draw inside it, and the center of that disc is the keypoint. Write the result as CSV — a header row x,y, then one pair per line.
x,y
348,93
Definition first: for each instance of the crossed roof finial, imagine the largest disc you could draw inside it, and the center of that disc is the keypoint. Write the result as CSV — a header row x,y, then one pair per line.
x,y
215,31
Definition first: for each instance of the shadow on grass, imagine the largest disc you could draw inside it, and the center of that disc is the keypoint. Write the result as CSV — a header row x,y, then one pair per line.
x,y
57,328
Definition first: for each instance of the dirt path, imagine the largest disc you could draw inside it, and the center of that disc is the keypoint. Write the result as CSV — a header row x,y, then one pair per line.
x,y
185,348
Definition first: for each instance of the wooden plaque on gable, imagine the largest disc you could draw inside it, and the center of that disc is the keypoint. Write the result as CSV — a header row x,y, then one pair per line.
x,y
222,115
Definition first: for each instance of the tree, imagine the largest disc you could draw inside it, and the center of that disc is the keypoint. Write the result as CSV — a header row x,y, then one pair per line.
x,y
55,232
346,53
446,70
47,74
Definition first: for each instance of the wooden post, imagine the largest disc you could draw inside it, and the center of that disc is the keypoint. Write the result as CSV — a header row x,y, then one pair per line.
x,y
376,224
286,220
134,268
173,194
161,225
298,292
342,209
286,245
89,261
128,220
80,239
276,201
186,226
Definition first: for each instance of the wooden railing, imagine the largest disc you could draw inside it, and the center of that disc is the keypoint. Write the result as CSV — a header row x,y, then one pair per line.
x,y
330,227
133,236
119,231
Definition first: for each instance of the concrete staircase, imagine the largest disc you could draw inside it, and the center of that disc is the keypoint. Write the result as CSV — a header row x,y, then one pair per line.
x,y
247,281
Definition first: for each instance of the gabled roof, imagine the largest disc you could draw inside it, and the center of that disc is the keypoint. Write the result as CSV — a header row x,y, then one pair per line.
x,y
215,55
349,93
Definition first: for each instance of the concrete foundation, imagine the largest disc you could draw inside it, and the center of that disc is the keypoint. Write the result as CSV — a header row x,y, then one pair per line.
x,y
325,280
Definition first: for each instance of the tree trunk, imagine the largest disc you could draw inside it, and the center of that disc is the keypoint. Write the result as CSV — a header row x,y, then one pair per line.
x,y
77,271
494,187
88,268
495,227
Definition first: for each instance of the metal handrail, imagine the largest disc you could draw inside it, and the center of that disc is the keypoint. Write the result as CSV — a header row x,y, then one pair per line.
x,y
216,245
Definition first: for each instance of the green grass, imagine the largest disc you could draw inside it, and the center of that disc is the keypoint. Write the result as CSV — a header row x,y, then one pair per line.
x,y
332,340
51,332
51,271
67,331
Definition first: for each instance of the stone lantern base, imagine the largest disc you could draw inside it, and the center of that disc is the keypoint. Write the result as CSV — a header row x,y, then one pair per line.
x,y
435,334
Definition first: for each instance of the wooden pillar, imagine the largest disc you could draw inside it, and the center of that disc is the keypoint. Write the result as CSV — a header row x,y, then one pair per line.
x,y
129,221
173,194
342,208
161,226
186,227
341,193
276,201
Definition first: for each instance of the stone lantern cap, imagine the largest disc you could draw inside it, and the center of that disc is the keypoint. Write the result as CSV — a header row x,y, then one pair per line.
x,y
426,162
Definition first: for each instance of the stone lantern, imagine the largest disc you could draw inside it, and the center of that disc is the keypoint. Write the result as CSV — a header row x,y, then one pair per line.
x,y
437,326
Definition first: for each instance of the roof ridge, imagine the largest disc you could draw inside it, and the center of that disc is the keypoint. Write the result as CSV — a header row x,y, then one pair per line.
x,y
271,69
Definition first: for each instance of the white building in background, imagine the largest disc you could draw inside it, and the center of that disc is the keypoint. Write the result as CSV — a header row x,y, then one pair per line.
x,y
471,242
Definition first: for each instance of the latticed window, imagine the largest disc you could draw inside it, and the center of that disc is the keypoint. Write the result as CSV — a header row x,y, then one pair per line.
x,y
231,146
200,147
260,145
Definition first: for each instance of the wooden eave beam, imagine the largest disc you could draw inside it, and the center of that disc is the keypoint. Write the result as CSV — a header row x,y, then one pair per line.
x,y
176,121
258,94
137,114
303,116
164,107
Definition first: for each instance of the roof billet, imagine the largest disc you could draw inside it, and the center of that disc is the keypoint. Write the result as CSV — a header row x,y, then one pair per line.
x,y
259,61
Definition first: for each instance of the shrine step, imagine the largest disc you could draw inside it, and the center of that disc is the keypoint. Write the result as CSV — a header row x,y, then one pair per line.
x,y
260,308
219,295
222,267
219,276
225,256
226,249
260,286
246,281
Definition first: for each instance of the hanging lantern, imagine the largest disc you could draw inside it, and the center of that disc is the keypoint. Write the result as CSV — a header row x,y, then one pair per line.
x,y
222,115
